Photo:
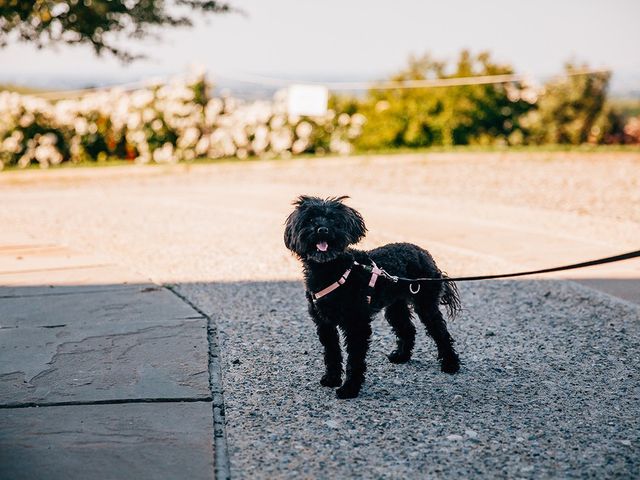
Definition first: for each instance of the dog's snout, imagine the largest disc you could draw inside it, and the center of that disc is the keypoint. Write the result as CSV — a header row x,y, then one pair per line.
x,y
324,230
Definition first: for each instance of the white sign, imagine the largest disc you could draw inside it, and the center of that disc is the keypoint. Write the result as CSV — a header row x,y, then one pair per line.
x,y
307,100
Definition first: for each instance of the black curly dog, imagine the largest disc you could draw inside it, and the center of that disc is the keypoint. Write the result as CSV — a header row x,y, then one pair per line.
x,y
319,232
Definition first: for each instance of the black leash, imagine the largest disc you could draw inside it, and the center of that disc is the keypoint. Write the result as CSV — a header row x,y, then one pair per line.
x,y
573,266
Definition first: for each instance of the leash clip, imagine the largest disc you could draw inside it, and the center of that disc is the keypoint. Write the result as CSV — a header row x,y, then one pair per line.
x,y
388,276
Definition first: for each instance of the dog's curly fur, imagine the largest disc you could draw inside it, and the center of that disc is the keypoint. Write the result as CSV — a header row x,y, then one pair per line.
x,y
319,232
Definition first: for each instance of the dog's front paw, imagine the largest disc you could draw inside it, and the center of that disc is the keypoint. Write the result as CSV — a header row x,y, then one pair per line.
x,y
348,390
331,380
450,365
399,357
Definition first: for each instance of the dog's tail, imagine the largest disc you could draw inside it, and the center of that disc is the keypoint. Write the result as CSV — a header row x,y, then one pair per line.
x,y
450,298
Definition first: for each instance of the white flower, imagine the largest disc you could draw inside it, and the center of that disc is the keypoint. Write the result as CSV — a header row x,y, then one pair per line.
x,y
189,138
340,146
202,146
358,119
354,131
134,121
80,125
141,98
304,129
277,122
26,120
46,154
13,143
240,137
212,110
344,119
48,139
281,140
157,125
221,144
164,154
299,146
260,139
148,114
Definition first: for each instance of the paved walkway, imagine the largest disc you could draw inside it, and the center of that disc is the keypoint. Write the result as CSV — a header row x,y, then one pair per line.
x,y
103,374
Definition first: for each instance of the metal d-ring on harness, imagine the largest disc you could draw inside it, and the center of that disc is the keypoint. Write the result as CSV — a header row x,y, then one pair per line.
x,y
379,272
376,271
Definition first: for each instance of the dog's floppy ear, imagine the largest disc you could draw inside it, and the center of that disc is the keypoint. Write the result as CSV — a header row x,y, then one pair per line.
x,y
356,229
288,230
290,225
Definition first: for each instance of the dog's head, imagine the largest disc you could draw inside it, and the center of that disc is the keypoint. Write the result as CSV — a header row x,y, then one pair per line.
x,y
319,230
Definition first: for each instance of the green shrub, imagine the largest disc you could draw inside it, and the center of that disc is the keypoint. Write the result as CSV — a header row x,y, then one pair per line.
x,y
458,115
568,109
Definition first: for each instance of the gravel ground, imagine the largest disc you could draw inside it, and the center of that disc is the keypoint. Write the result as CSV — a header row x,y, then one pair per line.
x,y
549,386
548,389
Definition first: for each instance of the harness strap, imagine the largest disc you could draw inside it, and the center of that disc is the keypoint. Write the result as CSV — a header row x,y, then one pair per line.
x,y
375,273
332,287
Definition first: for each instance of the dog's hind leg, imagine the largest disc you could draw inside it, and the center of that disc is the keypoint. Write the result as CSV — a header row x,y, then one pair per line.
x,y
399,317
427,309
357,338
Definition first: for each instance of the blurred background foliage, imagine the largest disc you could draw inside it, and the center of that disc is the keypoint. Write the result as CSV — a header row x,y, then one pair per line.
x,y
571,109
187,120
95,22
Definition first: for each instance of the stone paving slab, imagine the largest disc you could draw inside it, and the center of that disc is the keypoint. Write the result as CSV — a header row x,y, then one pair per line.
x,y
105,361
125,441
66,342
51,290
105,354
146,303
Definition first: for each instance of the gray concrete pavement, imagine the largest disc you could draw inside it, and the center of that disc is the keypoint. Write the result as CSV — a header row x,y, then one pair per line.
x,y
110,442
117,365
549,385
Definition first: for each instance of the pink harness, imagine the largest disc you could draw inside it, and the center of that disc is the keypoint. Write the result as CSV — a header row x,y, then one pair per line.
x,y
375,273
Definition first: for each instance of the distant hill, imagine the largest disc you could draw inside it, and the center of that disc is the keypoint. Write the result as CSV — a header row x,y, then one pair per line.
x,y
19,89
624,85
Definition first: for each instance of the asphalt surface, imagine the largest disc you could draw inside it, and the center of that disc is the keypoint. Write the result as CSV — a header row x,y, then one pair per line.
x,y
549,385
548,389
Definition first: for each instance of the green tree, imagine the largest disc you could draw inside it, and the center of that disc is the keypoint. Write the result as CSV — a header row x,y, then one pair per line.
x,y
95,22
569,108
459,115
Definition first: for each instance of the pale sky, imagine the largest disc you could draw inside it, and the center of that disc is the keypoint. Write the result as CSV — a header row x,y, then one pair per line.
x,y
366,39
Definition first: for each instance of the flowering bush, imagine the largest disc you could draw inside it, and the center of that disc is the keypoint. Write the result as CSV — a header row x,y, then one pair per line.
x,y
163,124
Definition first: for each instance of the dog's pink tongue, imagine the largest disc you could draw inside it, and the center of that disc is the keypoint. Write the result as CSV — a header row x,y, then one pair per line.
x,y
322,246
